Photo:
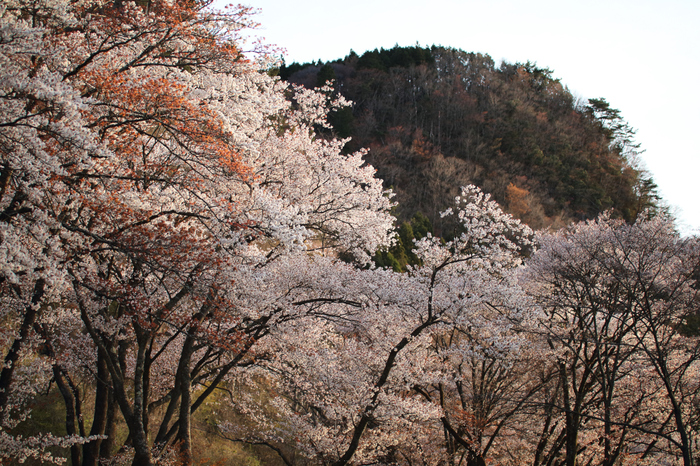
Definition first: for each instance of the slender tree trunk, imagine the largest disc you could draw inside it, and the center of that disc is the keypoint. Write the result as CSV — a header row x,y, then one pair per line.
x,y
30,315
608,458
681,425
137,426
91,451
658,355
548,428
571,420
162,437
107,445
369,408
185,419
69,401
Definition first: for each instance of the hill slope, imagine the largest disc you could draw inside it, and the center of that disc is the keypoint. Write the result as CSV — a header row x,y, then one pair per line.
x,y
439,118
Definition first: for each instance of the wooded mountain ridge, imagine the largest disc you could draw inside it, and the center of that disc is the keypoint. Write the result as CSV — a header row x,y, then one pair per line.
x,y
435,119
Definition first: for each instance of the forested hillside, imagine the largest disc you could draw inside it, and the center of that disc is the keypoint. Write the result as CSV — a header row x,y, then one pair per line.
x,y
437,118
194,270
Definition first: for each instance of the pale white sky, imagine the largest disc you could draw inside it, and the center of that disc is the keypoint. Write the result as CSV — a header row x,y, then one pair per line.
x,y
641,55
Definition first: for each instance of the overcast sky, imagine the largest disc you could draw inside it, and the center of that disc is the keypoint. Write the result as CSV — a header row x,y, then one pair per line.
x,y
642,56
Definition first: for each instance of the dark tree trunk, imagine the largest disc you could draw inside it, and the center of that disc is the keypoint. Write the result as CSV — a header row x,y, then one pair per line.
x,y
30,315
137,427
91,451
70,403
369,408
107,445
184,422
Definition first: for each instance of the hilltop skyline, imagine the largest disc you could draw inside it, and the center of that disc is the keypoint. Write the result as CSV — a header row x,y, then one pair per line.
x,y
623,51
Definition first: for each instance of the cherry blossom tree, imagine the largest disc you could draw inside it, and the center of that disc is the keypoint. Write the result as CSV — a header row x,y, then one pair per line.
x,y
43,138
145,165
359,374
615,296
